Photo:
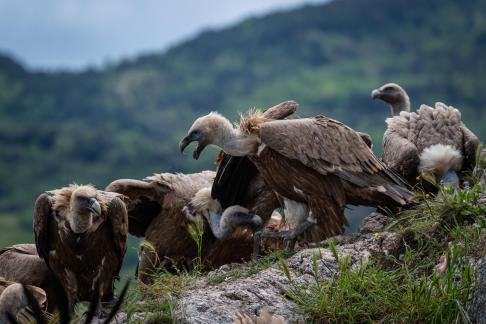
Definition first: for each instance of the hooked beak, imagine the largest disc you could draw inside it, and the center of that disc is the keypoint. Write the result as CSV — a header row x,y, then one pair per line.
x,y
188,140
375,94
94,206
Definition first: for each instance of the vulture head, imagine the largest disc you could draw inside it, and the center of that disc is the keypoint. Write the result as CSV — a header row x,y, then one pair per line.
x,y
216,130
394,95
222,223
442,162
84,208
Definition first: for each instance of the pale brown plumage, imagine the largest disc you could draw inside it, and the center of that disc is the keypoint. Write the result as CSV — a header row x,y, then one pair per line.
x,y
81,233
14,301
410,133
238,179
156,211
318,163
21,263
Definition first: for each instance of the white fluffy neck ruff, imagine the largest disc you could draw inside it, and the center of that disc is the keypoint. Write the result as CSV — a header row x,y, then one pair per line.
x,y
439,159
233,142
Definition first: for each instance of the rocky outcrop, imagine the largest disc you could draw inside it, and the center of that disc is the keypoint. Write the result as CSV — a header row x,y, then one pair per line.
x,y
477,306
266,290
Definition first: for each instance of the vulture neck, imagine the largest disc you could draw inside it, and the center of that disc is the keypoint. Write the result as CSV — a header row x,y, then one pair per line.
x,y
402,105
234,143
80,221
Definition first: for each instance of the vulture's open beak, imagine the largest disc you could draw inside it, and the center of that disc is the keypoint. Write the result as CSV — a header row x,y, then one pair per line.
x,y
375,94
193,138
94,206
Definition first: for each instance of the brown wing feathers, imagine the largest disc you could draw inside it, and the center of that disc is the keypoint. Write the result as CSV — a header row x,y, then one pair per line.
x,y
234,174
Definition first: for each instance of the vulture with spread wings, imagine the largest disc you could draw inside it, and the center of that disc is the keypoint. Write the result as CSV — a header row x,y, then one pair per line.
x,y
81,233
317,165
161,207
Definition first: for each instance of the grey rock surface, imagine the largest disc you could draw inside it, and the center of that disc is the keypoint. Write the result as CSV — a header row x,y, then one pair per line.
x,y
266,289
208,302
477,306
374,222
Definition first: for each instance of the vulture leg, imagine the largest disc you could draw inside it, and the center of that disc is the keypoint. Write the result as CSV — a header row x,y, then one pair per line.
x,y
289,236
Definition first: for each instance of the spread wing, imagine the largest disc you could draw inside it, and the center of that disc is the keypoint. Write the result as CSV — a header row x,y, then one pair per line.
x,y
118,217
281,111
43,220
143,204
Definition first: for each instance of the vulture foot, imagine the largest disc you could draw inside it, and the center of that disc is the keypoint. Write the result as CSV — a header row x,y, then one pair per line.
x,y
289,236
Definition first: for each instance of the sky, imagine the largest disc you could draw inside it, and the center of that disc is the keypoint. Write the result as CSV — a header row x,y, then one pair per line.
x,y
74,34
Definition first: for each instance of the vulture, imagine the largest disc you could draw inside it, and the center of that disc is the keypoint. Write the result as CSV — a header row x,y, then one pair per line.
x,y
235,173
21,263
222,222
15,303
394,95
81,233
431,141
316,165
159,209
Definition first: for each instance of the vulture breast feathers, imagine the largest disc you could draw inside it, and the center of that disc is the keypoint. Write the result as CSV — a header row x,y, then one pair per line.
x,y
81,233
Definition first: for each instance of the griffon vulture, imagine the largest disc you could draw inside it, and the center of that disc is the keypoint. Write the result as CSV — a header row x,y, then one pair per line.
x,y
21,263
316,164
81,233
433,141
236,173
157,210
15,303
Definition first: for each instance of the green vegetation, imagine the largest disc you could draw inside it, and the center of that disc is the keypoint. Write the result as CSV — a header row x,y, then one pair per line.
x,y
372,294
125,120
431,279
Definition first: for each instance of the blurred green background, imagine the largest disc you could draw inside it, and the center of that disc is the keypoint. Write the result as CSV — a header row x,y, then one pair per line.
x,y
124,120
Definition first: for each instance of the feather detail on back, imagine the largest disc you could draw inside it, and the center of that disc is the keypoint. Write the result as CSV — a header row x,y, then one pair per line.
x,y
440,158
180,182
428,126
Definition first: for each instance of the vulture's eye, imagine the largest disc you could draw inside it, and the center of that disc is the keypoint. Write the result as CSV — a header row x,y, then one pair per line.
x,y
389,89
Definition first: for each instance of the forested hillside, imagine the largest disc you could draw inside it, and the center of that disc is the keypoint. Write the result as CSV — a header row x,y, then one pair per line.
x,y
125,120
